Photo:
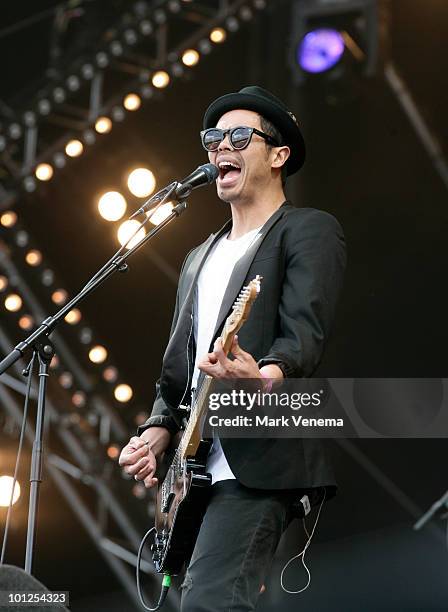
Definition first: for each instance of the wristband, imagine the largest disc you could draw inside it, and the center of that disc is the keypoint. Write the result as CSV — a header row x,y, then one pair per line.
x,y
267,387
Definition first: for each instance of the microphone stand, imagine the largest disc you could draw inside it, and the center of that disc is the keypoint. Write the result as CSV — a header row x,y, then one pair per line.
x,y
440,503
43,349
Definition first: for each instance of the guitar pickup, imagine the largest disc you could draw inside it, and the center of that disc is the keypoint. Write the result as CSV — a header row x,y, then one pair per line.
x,y
169,500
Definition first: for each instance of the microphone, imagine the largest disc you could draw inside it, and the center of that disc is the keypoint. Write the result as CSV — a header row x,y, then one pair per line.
x,y
203,175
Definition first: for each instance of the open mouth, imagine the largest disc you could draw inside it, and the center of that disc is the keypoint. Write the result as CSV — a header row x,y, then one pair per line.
x,y
228,172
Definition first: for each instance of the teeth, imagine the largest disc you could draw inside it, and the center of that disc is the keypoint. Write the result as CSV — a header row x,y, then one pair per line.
x,y
226,164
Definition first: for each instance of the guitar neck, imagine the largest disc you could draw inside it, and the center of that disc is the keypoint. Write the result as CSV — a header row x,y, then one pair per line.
x,y
192,436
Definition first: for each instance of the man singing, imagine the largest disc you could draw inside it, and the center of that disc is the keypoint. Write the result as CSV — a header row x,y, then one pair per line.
x,y
300,252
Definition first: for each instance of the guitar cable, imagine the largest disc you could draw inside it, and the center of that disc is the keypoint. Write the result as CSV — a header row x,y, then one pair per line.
x,y
166,582
302,553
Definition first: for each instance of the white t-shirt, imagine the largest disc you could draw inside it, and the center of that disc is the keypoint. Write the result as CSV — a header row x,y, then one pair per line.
x,y
212,284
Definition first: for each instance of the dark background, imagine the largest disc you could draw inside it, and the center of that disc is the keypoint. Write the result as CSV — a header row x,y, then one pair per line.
x,y
367,167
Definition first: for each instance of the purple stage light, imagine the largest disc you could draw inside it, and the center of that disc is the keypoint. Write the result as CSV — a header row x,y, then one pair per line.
x,y
320,50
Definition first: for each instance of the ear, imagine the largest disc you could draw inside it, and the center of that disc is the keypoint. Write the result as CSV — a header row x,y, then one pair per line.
x,y
280,156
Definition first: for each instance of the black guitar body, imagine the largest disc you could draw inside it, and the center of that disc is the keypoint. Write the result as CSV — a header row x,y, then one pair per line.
x,y
181,502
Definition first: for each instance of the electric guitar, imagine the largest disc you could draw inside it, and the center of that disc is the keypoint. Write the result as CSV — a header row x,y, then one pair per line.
x,y
181,498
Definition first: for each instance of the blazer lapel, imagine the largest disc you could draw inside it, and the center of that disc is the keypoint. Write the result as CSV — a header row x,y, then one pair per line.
x,y
178,340
241,269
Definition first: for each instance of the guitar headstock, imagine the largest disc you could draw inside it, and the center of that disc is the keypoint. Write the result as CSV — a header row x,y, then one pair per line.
x,y
240,311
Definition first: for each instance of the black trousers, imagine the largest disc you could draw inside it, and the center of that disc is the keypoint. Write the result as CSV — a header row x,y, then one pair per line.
x,y
236,543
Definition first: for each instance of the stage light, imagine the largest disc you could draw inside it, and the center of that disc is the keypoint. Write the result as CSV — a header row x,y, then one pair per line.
x,y
160,79
130,36
44,106
126,230
146,27
97,354
246,13
161,213
146,91
26,322
29,118
101,59
3,283
79,399
174,6
339,38
103,125
89,137
159,16
8,218
44,172
13,302
59,95
190,57
320,50
22,238
59,296
54,363
29,183
87,71
112,205
118,113
123,393
110,374
59,160
141,182
132,102
232,24
66,380
116,48
73,316
205,46
177,69
47,277
15,131
85,336
6,483
218,35
73,82
74,148
33,258
113,451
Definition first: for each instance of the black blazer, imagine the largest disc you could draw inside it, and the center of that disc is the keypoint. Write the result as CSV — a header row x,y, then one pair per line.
x,y
301,256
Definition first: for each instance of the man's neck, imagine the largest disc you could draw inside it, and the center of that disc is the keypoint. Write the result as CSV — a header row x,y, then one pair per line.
x,y
249,215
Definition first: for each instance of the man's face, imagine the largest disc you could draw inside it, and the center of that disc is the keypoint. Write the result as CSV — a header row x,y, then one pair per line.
x,y
253,162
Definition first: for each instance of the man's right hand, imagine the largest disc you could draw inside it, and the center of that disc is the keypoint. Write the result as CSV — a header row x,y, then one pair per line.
x,y
138,457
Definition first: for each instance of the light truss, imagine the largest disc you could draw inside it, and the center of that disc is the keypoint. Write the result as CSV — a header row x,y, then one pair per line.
x,y
150,37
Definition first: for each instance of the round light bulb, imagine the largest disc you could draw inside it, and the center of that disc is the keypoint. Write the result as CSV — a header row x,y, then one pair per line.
x,y
103,125
132,102
190,57
141,182
123,393
74,148
44,172
112,205
126,230
160,79
98,354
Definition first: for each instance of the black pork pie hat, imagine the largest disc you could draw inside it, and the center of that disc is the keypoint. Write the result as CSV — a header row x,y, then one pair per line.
x,y
261,101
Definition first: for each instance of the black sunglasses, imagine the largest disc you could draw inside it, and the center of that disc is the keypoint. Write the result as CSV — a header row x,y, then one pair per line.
x,y
239,137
